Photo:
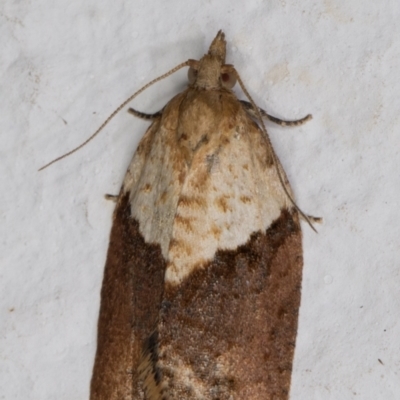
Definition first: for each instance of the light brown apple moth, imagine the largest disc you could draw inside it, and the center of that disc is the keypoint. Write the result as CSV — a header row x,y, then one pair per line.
x,y
202,282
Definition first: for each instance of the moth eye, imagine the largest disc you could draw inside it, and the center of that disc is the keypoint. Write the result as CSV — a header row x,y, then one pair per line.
x,y
228,80
192,75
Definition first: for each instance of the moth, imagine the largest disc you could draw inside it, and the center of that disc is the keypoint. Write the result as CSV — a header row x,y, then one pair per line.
x,y
202,282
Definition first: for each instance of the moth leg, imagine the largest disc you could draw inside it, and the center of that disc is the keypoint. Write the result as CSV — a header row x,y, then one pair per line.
x,y
249,108
111,197
314,220
142,115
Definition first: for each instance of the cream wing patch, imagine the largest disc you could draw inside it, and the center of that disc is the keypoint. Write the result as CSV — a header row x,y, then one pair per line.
x,y
154,179
240,193
209,192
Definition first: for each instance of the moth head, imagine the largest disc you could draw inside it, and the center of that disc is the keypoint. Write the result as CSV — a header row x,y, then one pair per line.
x,y
211,72
226,76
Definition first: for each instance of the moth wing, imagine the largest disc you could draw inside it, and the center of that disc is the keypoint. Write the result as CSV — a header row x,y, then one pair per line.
x,y
228,319
202,281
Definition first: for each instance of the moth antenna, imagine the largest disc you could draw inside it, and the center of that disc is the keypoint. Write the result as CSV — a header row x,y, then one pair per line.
x,y
115,112
274,157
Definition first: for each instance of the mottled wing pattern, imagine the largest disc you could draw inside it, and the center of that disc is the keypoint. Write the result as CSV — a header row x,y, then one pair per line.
x,y
202,282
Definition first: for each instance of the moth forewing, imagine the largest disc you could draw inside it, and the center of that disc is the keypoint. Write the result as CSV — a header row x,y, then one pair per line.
x,y
202,281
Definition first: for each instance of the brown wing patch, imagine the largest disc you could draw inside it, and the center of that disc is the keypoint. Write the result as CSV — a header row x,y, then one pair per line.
x,y
245,199
147,188
222,203
216,231
228,330
184,223
192,202
130,301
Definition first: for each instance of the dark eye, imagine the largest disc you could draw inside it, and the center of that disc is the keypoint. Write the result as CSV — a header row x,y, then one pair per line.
x,y
192,75
228,79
